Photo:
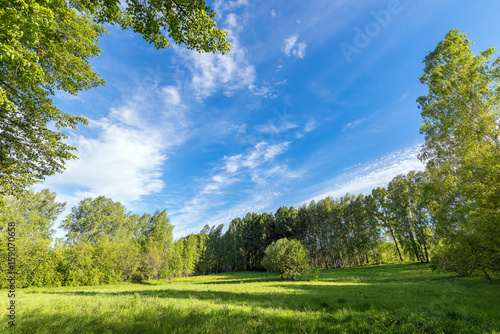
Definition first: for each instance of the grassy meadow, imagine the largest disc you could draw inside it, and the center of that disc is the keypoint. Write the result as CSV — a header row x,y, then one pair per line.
x,y
390,298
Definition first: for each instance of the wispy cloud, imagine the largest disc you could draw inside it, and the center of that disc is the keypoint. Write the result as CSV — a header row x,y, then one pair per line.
x,y
261,153
311,125
221,5
353,124
364,177
292,47
250,171
273,128
232,22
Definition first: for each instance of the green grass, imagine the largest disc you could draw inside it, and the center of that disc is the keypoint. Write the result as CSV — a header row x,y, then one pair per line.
x,y
392,298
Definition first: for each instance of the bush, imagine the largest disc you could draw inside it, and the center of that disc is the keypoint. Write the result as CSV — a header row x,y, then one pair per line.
x,y
137,277
286,257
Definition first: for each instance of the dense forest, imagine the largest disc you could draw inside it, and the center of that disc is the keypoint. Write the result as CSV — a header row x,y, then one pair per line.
x,y
448,214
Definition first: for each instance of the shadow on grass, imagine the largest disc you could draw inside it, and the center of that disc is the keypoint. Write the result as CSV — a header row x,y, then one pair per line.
x,y
386,273
241,281
291,296
143,283
171,319
157,317
376,299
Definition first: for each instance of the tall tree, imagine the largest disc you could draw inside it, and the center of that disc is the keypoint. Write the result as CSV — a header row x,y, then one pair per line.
x,y
384,215
93,220
403,201
461,124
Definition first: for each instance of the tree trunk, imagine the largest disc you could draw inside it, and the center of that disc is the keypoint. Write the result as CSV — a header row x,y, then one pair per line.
x,y
396,243
426,254
374,255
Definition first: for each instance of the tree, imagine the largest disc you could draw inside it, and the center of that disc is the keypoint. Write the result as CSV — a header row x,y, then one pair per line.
x,y
461,124
46,46
33,215
412,219
384,215
286,257
157,246
94,220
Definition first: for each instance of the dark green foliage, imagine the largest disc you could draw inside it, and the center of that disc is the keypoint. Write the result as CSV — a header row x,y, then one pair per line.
x,y
138,277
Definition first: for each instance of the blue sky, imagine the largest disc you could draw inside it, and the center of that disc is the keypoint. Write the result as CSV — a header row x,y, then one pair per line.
x,y
316,98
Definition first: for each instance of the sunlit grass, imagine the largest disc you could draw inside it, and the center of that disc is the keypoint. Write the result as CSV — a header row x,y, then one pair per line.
x,y
398,298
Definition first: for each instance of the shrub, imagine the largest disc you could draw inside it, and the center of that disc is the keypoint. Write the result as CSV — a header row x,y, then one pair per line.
x,y
286,257
137,277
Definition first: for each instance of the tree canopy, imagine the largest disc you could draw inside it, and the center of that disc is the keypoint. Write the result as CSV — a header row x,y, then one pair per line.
x,y
461,114
188,22
46,46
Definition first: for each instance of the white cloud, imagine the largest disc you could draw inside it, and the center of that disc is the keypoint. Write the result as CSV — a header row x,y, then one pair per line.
x,y
121,156
273,13
267,90
352,125
292,47
311,125
232,21
172,95
261,153
223,5
241,129
213,72
364,178
273,128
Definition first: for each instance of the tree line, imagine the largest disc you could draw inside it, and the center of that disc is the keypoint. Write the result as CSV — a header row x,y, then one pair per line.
x,y
105,243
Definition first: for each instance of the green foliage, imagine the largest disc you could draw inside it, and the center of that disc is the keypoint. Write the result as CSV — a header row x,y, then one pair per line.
x,y
286,257
412,221
33,216
186,22
461,114
137,277
156,246
94,220
45,46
